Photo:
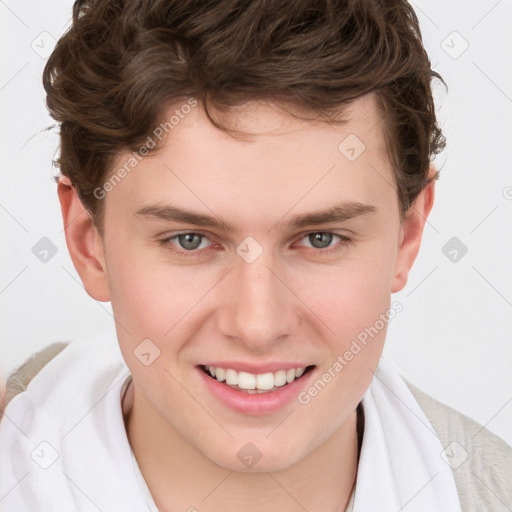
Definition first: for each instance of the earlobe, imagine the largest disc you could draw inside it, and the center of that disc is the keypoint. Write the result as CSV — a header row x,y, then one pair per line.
x,y
84,242
411,235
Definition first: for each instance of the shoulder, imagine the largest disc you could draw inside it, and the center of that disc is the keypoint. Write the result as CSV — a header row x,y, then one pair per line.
x,y
481,462
21,377
71,368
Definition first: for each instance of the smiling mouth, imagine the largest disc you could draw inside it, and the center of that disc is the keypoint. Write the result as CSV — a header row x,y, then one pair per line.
x,y
255,384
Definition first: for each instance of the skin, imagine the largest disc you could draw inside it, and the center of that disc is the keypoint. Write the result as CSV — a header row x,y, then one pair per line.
x,y
293,303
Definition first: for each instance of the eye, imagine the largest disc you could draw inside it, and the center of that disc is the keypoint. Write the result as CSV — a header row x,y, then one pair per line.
x,y
321,241
185,243
191,243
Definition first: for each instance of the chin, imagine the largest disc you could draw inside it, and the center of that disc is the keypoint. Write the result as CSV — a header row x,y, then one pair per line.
x,y
253,457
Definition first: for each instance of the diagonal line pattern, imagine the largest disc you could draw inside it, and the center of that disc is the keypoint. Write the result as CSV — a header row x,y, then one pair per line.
x,y
4,415
217,486
491,285
300,299
492,81
393,186
486,14
286,491
205,294
501,409
165,165
280,423
14,486
416,7
97,302
488,215
14,76
409,501
199,403
112,316
14,218
13,279
508,506
13,13
412,208
73,220
97,402
88,497
426,426
314,185
423,280
301,198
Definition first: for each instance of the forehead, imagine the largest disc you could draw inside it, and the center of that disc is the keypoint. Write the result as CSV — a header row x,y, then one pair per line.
x,y
282,164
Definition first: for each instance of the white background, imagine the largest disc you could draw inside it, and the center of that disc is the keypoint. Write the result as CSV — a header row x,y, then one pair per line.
x,y
453,339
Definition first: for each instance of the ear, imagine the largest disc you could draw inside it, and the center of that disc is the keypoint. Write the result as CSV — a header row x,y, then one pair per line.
x,y
411,233
84,242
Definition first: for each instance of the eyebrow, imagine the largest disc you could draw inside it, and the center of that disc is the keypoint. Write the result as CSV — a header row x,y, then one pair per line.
x,y
337,213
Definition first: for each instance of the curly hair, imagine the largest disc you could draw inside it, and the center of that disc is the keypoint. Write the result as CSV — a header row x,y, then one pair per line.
x,y
121,61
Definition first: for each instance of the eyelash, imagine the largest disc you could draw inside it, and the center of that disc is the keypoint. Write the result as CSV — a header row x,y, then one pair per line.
x,y
344,241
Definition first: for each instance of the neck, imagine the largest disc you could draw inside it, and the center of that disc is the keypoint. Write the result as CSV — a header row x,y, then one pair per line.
x,y
180,477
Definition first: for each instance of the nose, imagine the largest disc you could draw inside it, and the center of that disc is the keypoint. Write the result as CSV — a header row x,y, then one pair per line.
x,y
260,309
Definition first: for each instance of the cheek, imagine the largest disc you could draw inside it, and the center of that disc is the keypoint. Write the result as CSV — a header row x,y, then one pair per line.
x,y
153,302
353,301
152,298
350,296
149,298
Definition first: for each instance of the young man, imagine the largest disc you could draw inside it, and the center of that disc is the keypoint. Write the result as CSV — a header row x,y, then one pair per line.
x,y
247,183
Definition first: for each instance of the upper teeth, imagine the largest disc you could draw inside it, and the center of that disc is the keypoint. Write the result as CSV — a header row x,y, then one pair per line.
x,y
246,380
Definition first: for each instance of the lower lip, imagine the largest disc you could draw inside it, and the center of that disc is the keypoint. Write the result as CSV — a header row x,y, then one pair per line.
x,y
258,403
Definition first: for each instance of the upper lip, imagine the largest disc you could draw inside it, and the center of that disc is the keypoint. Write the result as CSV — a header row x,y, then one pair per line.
x,y
255,368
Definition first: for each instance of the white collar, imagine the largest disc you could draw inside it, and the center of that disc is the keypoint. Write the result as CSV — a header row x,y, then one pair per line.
x,y
71,410
401,465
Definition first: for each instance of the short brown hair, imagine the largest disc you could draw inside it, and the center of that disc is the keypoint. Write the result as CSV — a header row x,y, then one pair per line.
x,y
121,61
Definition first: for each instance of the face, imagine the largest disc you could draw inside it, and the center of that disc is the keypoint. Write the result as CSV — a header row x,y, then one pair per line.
x,y
254,282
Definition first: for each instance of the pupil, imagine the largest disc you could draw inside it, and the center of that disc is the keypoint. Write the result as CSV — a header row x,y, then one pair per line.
x,y
186,243
319,237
